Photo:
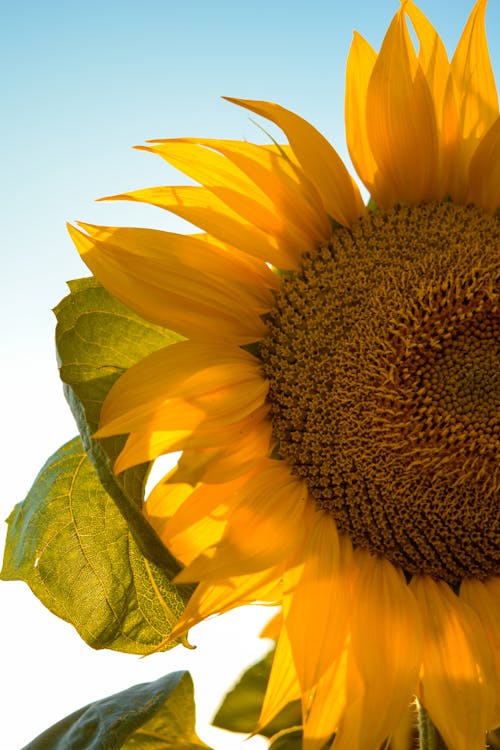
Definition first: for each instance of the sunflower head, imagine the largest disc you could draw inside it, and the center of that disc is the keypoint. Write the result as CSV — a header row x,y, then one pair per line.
x,y
336,396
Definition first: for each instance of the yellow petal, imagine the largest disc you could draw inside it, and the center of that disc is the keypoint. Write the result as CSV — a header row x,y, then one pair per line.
x,y
402,734
475,90
273,628
319,160
238,457
457,680
294,199
283,685
432,56
484,173
294,196
181,386
350,725
200,253
401,121
386,646
191,521
164,501
433,60
204,209
360,64
217,173
320,599
211,598
206,532
209,408
326,705
193,464
484,598
202,501
246,440
197,523
178,281
266,526
142,447
231,186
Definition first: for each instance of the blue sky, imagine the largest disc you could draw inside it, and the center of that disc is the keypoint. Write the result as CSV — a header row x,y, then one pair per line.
x,y
82,83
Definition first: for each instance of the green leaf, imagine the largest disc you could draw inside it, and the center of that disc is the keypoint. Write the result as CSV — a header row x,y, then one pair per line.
x,y
152,716
240,709
289,739
71,545
98,339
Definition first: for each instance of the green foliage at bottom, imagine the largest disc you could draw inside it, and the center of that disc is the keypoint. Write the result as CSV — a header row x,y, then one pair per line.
x,y
155,715
240,709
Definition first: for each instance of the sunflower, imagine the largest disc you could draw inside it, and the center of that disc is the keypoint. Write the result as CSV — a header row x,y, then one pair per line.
x,y
335,397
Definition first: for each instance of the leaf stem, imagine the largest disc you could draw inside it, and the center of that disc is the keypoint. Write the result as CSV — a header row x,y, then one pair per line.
x,y
429,738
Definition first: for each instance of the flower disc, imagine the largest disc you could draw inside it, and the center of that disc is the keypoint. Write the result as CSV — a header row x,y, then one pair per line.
x,y
382,355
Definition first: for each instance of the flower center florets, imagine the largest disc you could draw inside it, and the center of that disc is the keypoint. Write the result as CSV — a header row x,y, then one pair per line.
x,y
383,357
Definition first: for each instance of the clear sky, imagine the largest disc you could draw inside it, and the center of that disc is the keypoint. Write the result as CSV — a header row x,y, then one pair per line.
x,y
82,83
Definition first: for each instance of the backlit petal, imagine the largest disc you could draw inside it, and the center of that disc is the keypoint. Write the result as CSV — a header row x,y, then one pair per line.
x,y
177,281
295,200
233,187
266,525
246,440
320,599
401,121
272,628
319,160
457,683
142,447
197,523
432,56
163,501
484,598
433,60
205,210
209,599
484,172
325,705
402,734
178,390
238,457
360,64
387,655
283,685
475,90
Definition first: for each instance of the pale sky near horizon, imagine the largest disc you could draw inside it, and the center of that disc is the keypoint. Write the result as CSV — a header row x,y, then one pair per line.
x,y
81,84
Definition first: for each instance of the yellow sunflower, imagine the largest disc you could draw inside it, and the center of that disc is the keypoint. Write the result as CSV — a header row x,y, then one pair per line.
x,y
336,395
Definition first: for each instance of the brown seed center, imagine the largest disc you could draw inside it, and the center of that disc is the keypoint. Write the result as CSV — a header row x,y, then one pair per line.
x,y
383,357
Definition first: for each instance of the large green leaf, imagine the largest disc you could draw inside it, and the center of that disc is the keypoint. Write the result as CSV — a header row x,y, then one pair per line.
x,y
240,708
72,546
97,339
153,716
